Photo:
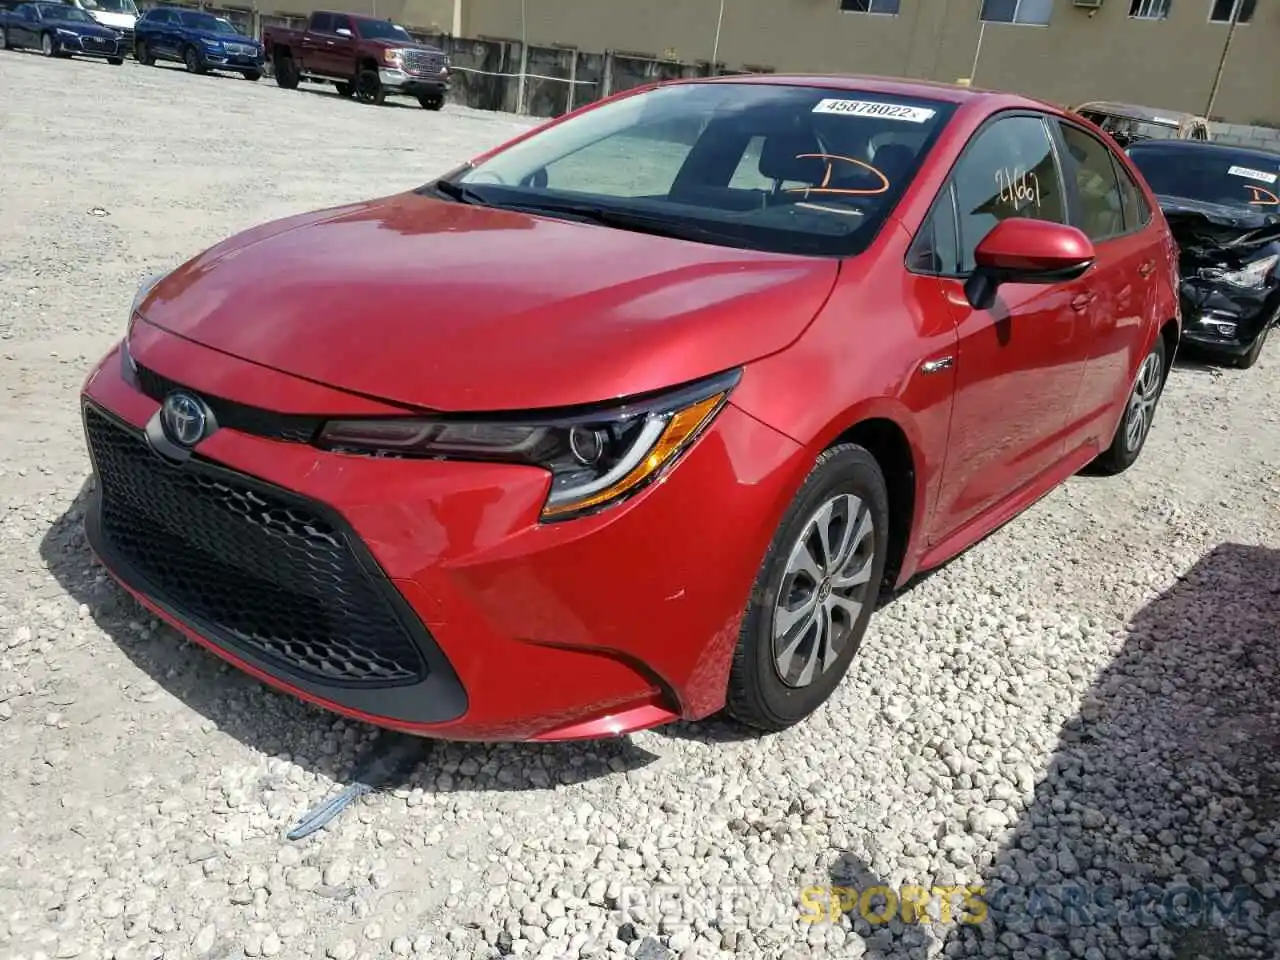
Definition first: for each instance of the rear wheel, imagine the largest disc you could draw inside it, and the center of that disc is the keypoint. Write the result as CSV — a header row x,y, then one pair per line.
x,y
286,72
431,101
369,87
814,594
195,63
1139,413
345,89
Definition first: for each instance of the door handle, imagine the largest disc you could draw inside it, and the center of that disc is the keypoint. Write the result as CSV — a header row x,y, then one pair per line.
x,y
329,43
1081,301
1147,268
938,365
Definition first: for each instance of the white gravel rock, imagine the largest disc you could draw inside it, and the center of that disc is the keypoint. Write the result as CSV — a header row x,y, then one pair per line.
x,y
1090,697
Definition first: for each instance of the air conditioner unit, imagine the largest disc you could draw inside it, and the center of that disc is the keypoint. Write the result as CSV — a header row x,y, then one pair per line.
x,y
1087,4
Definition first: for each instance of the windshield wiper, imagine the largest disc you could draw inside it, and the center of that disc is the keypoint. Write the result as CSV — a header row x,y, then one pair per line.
x,y
459,193
629,220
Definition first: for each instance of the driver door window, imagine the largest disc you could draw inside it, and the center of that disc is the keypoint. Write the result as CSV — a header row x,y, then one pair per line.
x,y
1008,170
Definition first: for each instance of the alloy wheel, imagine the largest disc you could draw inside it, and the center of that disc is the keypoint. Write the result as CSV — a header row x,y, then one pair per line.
x,y
1142,403
824,587
46,45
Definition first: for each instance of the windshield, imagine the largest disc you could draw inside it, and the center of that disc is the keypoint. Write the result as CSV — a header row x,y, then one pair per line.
x,y
111,6
207,22
1228,177
382,30
1130,129
56,11
772,167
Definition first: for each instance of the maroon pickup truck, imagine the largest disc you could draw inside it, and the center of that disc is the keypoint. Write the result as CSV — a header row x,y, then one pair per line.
x,y
361,56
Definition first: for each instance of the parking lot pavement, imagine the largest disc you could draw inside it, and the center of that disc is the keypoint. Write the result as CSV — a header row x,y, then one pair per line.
x,y
1089,696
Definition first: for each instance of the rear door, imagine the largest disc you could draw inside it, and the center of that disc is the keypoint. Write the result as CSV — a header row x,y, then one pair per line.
x,y
1018,365
314,43
1106,204
23,26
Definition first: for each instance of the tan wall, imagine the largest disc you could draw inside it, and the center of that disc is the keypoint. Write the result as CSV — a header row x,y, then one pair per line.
x,y
1077,57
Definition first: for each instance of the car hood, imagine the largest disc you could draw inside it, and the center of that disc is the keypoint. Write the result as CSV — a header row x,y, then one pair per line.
x,y
1215,234
451,307
224,37
403,45
83,29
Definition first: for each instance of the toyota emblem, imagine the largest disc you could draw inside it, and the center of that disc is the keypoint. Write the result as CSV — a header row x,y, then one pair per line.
x,y
183,419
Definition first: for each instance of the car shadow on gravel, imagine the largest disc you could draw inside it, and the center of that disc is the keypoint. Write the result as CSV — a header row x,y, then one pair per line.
x,y
274,723
1155,831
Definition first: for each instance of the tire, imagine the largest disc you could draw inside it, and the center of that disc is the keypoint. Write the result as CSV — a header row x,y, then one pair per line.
x,y
252,75
116,61
1255,351
142,53
46,45
345,89
431,101
4,39
369,88
1131,434
194,63
286,73
844,490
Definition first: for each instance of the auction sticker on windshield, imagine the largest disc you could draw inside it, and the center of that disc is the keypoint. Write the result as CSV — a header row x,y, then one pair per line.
x,y
871,108
1253,174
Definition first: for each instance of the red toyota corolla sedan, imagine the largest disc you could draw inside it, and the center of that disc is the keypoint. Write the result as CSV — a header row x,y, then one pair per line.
x,y
631,418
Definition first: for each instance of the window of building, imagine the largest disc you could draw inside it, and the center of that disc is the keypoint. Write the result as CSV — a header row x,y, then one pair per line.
x,y
1224,10
870,6
1149,9
1017,11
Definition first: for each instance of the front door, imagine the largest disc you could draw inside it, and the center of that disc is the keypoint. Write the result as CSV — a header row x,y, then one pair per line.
x,y
1019,365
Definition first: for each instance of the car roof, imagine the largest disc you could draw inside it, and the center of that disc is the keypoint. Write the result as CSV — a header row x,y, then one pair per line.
x,y
891,86
1137,111
1205,146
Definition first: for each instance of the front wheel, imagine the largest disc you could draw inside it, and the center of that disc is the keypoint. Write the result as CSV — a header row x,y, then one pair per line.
x,y
287,75
46,45
253,75
115,61
1139,413
431,101
191,57
814,594
369,88
142,53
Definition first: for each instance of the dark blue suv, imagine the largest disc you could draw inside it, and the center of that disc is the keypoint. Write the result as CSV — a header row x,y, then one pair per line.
x,y
200,40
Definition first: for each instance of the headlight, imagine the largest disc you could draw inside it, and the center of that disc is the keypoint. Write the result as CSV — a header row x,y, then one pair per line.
x,y
392,56
211,44
1254,275
144,288
64,33
595,459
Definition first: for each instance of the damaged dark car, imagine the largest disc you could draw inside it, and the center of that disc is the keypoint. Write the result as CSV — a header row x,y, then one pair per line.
x,y
1223,206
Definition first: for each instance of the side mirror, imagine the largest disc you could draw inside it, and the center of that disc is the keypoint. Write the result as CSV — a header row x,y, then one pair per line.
x,y
343,32
1021,250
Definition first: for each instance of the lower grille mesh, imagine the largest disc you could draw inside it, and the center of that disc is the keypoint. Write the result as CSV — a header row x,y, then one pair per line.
x,y
255,567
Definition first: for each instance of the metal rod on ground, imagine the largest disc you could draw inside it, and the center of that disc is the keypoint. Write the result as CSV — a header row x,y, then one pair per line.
x,y
715,50
982,32
524,60
1222,62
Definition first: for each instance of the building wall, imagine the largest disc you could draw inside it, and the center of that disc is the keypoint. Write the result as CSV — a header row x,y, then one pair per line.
x,y
437,15
1169,63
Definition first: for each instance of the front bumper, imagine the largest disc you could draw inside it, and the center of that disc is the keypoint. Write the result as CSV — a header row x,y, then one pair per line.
x,y
1225,320
90,46
413,85
220,60
520,630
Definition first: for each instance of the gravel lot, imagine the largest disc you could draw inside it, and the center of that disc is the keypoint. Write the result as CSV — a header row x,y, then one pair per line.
x,y
1090,696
